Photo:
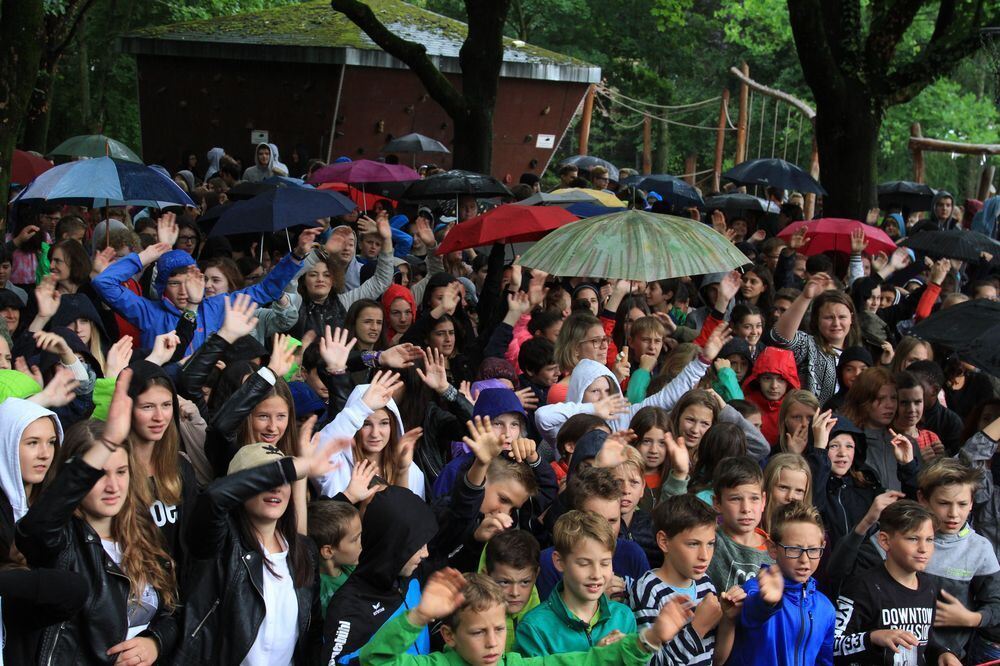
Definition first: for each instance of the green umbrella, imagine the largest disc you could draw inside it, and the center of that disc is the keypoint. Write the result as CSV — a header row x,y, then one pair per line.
x,y
634,245
95,145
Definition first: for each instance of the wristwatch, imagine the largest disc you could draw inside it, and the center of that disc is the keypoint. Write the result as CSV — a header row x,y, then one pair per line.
x,y
190,315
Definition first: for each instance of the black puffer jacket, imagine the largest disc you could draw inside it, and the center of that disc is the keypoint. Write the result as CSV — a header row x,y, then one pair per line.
x,y
845,500
225,607
50,536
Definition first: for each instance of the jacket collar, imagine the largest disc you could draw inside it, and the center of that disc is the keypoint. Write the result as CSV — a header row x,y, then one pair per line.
x,y
558,607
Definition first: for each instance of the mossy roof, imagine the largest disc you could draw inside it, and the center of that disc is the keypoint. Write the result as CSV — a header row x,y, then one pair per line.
x,y
316,25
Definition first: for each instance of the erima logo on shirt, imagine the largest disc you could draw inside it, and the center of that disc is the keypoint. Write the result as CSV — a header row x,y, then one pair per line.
x,y
377,608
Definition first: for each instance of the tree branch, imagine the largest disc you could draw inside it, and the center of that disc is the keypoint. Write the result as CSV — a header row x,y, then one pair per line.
x,y
819,65
412,54
889,22
60,29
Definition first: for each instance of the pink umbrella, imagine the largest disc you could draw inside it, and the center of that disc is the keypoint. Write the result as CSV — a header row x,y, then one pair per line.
x,y
833,233
364,171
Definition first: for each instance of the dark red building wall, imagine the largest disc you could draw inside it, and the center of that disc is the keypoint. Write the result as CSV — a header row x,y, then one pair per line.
x,y
198,103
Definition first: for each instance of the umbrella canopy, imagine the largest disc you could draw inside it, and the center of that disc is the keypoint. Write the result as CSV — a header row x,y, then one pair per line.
x,y
106,182
455,183
905,194
738,202
971,329
212,215
564,198
676,191
363,171
279,209
95,145
634,245
585,162
505,224
586,209
244,190
827,234
599,196
365,200
774,172
415,143
25,167
952,244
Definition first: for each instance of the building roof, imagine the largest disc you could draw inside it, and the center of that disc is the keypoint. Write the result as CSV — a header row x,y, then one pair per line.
x,y
313,32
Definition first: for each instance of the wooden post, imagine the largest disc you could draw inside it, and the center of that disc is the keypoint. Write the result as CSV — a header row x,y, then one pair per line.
x,y
985,180
741,124
690,166
647,145
720,142
918,154
588,111
810,199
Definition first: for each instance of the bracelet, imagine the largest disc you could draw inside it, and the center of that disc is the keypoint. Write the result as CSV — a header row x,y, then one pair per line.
x,y
335,373
296,256
704,359
646,645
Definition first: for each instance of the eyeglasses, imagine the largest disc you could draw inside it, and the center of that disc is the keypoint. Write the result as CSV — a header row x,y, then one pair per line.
x,y
597,342
186,239
795,552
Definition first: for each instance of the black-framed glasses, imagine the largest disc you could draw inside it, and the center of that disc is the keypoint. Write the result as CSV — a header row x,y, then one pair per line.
x,y
795,552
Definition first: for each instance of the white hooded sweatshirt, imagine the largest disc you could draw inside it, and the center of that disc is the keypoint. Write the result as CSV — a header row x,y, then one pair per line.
x,y
15,416
346,425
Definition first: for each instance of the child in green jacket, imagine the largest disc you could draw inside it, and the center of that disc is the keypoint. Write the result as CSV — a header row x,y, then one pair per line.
x,y
474,611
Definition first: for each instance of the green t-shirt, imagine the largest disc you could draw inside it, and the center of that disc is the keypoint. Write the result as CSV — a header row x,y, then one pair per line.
x,y
328,585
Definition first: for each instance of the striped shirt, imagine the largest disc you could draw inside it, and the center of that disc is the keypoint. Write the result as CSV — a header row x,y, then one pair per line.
x,y
646,598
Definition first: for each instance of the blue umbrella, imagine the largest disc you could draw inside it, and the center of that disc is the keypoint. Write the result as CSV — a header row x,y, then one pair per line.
x,y
279,209
283,181
586,209
676,191
105,181
774,172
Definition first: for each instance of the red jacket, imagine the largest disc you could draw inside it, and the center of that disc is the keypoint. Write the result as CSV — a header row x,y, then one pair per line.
x,y
773,361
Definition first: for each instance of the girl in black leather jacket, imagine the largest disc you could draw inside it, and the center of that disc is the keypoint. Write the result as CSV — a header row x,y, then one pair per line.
x,y
255,597
92,521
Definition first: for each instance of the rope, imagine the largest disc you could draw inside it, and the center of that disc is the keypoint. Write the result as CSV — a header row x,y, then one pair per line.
x,y
746,135
608,92
798,142
788,121
774,130
664,118
760,133
729,121
607,114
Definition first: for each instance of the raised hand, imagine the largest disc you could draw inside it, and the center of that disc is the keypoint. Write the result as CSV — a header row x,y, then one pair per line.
x,y
939,270
492,525
483,442
102,259
707,615
524,450
119,356
719,221
422,230
59,392
400,356
335,347
888,352
380,391
306,240
902,447
615,588
441,596
164,347
678,456
822,425
239,320
405,448
816,285
367,225
360,487
516,274
878,505
871,218
732,601
858,240
721,334
900,259
167,230
527,398
314,458
727,290
119,421
622,368
152,253
674,615
771,584
26,234
612,452
48,297
610,406
56,344
282,355
796,441
758,236
194,285
449,300
337,242
798,239
518,304
22,366
536,288
434,373
465,388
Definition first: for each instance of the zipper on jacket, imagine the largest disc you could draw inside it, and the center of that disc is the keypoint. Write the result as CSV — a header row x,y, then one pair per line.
x,y
55,644
800,651
840,503
205,619
590,640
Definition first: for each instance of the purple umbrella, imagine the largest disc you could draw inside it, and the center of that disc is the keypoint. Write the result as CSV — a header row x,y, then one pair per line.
x,y
364,171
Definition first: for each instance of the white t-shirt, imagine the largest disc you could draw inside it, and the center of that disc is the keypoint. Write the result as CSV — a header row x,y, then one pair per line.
x,y
140,613
275,642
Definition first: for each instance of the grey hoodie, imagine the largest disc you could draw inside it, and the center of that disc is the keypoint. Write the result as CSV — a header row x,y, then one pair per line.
x,y
345,425
257,173
15,416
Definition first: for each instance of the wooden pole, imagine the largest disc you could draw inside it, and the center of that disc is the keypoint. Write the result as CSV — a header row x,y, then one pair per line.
x,y
810,199
647,145
720,142
938,145
985,180
588,112
917,152
741,124
743,74
690,166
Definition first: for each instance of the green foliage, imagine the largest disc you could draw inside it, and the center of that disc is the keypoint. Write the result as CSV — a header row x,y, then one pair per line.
x,y
187,10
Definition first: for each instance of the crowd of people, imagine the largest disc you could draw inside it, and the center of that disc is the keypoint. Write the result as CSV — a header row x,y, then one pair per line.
x,y
346,449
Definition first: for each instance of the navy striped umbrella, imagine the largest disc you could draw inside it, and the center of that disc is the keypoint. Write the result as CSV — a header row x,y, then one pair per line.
x,y
105,181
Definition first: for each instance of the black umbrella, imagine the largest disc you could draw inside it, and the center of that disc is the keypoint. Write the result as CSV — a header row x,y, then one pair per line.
x,y
905,194
952,244
244,190
455,183
212,215
415,143
279,209
676,191
585,162
739,202
971,329
773,172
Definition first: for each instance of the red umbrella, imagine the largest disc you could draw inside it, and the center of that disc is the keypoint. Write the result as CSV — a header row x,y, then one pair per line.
x,y
365,200
509,223
833,233
25,167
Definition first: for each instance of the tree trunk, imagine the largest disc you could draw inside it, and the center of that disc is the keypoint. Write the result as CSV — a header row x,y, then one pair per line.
x,y
21,39
473,149
847,138
36,122
662,151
